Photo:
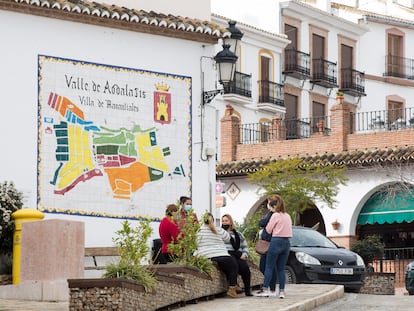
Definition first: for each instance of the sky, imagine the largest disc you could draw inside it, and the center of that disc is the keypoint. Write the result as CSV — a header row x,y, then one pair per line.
x,y
262,14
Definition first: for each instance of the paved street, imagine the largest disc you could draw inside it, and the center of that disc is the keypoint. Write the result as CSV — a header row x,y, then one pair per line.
x,y
298,298
363,302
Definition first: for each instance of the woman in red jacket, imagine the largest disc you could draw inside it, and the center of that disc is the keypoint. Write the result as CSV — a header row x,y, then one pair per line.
x,y
169,231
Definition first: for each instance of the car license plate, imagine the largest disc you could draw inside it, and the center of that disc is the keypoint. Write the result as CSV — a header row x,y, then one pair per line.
x,y
347,271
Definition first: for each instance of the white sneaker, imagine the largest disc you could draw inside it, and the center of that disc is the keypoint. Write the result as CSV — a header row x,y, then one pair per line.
x,y
272,293
262,293
282,294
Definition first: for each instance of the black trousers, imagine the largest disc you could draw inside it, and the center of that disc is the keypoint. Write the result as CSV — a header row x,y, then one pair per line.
x,y
244,271
229,266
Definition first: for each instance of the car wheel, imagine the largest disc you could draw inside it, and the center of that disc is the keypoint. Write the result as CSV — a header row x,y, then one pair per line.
x,y
290,275
411,293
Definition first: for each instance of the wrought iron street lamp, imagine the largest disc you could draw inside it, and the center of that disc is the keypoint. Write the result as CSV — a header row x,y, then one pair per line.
x,y
226,63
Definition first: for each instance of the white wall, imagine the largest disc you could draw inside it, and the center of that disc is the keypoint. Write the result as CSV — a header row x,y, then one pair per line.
x,y
30,36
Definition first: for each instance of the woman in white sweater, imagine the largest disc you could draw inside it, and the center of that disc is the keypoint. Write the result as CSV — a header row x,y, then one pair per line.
x,y
211,245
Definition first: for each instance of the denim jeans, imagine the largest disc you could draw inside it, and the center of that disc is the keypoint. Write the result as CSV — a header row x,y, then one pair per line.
x,y
262,267
276,259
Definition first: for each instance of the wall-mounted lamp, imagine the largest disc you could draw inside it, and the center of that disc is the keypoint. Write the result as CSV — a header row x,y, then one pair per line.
x,y
226,61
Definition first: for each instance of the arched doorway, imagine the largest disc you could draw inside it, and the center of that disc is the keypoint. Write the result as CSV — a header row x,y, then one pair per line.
x,y
390,216
311,217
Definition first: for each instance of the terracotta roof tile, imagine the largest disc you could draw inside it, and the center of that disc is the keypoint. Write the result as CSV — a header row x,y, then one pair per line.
x,y
118,13
350,159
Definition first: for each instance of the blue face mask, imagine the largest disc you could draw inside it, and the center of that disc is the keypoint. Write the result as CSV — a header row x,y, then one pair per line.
x,y
187,207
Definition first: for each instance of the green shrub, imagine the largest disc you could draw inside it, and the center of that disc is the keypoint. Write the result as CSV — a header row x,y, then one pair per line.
x,y
10,202
133,250
368,248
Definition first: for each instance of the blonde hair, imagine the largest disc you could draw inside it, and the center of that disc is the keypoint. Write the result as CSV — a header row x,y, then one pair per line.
x,y
231,220
209,222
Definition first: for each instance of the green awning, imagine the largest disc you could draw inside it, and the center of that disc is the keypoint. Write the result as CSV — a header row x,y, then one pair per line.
x,y
380,209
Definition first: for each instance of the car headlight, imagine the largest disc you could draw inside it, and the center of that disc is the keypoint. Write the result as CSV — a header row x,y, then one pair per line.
x,y
360,261
307,259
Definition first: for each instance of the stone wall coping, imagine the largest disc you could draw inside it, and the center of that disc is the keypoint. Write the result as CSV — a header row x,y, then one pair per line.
x,y
101,283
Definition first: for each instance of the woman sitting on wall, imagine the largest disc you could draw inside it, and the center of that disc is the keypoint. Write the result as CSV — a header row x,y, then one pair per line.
x,y
211,245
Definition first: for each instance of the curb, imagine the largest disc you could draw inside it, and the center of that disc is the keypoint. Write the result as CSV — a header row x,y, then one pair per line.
x,y
312,303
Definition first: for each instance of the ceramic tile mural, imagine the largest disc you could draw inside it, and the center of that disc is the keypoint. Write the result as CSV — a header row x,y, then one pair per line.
x,y
112,141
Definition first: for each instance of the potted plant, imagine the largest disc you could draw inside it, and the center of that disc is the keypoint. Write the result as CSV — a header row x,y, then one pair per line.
x,y
335,225
133,249
339,97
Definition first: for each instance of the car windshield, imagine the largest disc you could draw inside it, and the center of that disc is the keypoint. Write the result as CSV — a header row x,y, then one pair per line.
x,y
310,238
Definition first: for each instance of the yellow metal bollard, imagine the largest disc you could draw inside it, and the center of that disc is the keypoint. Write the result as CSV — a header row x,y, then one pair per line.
x,y
21,216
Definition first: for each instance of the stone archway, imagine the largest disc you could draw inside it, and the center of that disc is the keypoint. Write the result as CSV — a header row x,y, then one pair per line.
x,y
312,217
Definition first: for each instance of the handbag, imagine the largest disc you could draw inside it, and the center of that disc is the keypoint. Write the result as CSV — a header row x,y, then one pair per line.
x,y
261,247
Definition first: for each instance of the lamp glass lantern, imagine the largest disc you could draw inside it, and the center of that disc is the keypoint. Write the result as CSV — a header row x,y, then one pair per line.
x,y
226,64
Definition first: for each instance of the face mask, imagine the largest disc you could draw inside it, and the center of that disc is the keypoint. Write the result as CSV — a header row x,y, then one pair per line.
x,y
225,227
187,207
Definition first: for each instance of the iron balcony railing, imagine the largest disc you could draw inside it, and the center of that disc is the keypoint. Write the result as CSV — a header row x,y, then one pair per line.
x,y
352,82
271,92
254,133
396,66
324,73
382,120
297,63
241,85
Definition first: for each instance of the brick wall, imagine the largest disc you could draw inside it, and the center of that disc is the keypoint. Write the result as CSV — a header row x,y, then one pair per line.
x,y
339,140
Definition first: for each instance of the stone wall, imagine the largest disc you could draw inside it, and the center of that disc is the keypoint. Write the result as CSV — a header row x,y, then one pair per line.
x,y
378,283
177,285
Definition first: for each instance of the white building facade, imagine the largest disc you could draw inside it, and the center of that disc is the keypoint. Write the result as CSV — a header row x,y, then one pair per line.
x,y
103,110
363,54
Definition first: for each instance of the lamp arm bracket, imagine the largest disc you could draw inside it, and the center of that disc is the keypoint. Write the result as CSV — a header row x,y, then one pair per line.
x,y
208,96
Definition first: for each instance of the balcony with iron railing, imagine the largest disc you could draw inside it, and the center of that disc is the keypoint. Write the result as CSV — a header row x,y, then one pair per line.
x,y
297,64
341,131
352,82
382,120
271,96
300,128
324,73
254,133
241,85
400,67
